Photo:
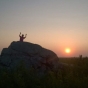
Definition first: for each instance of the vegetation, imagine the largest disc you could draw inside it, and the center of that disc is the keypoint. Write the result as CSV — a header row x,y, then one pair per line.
x,y
75,76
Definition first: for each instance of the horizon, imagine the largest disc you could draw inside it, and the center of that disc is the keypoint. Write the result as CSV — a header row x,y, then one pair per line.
x,y
53,24
51,50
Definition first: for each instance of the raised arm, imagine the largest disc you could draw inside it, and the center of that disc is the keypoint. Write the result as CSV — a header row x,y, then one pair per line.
x,y
20,34
25,35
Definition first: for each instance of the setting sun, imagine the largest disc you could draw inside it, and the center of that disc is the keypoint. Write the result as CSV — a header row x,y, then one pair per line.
x,y
67,50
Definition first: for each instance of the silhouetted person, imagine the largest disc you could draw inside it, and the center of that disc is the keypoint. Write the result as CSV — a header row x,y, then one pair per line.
x,y
80,56
22,37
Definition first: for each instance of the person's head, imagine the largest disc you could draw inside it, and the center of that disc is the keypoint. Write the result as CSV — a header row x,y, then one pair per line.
x,y
22,35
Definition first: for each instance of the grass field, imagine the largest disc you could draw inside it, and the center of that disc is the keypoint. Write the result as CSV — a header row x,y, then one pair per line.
x,y
75,76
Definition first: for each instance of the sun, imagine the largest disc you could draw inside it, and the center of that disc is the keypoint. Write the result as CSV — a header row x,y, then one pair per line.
x,y
68,50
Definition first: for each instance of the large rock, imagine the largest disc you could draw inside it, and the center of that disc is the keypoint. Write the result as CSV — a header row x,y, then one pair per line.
x,y
32,55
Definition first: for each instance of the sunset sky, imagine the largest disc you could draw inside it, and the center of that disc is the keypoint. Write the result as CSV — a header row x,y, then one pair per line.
x,y
53,24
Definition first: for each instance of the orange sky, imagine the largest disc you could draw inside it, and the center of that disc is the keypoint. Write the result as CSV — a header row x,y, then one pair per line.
x,y
54,24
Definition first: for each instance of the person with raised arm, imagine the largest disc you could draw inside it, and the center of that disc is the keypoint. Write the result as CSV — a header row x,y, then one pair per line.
x,y
22,37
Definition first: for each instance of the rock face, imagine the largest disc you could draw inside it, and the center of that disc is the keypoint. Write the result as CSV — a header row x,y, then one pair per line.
x,y
31,55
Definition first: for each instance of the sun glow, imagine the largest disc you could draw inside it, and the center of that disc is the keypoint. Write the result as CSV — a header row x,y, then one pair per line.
x,y
68,50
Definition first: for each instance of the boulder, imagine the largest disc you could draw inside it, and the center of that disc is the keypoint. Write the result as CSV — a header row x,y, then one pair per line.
x,y
31,55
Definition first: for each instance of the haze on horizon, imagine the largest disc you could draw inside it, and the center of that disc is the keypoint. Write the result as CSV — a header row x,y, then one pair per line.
x,y
53,24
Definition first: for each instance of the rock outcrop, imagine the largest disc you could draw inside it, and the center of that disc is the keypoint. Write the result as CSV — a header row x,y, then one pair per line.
x,y
32,55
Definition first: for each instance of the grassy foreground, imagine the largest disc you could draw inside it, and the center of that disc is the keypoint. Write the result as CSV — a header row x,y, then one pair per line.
x,y
68,77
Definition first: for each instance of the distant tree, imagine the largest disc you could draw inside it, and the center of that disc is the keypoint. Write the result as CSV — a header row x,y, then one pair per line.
x,y
80,56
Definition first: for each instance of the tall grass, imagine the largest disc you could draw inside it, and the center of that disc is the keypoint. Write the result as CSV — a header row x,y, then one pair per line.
x,y
67,77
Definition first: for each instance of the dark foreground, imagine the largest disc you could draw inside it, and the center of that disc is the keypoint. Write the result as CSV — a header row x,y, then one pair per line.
x,y
75,76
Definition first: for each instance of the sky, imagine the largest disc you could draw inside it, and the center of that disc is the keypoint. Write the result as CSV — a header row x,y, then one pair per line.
x,y
53,24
